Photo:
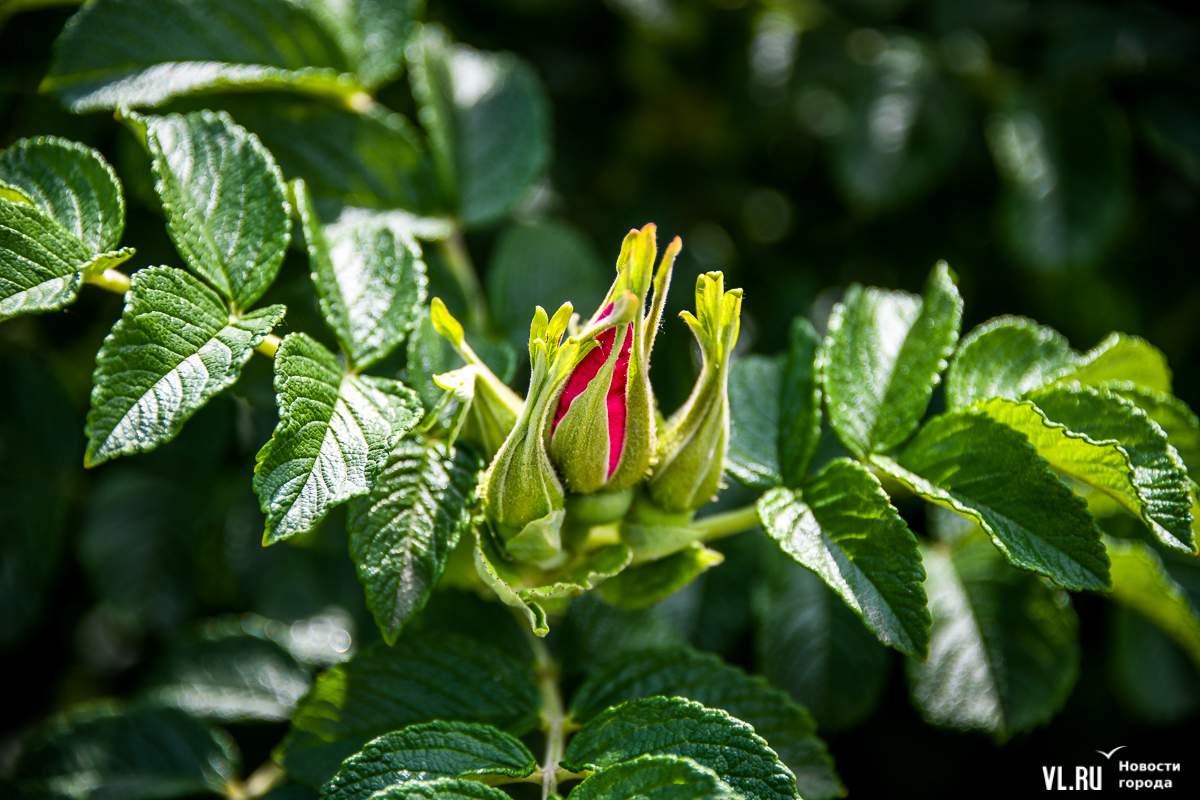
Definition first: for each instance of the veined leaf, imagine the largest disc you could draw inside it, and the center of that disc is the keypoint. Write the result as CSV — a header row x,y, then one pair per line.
x,y
1005,649
488,121
138,53
1006,357
678,727
654,778
504,580
683,672
61,215
643,585
427,752
375,159
369,277
108,751
844,528
372,33
335,432
229,675
175,347
224,198
422,678
775,410
443,789
884,356
1122,357
972,464
1154,495
72,184
1158,472
812,645
401,534
1170,413
1141,583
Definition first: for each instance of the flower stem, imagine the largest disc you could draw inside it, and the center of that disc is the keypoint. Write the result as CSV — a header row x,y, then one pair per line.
x,y
553,717
458,259
727,523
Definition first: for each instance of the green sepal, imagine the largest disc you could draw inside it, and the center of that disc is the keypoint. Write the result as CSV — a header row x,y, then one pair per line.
x,y
645,584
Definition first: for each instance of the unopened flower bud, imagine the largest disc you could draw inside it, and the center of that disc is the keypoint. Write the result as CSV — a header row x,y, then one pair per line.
x,y
602,433
691,450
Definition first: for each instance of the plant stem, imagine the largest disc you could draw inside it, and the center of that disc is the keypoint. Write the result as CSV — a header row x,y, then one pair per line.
x,y
263,780
727,523
111,280
553,716
458,259
118,282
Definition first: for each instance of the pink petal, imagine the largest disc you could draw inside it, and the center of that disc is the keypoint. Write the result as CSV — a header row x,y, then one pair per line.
x,y
617,408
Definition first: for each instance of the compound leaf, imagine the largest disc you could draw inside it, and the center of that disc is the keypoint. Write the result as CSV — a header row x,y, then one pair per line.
x,y
680,671
1006,357
643,585
443,789
679,727
1141,582
369,277
422,678
335,431
1158,473
224,198
755,389
1005,649
372,33
884,356
844,528
40,262
131,754
1122,357
1170,413
985,470
175,348
429,751
654,778
488,121
139,53
401,534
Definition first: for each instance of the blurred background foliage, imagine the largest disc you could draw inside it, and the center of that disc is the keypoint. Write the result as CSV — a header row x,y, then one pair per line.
x,y
1049,151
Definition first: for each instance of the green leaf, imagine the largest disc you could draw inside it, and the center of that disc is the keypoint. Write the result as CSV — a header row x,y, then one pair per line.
x,y
369,160
844,528
175,347
678,727
224,198
1122,357
138,53
543,264
775,410
654,778
488,120
981,468
39,262
643,585
1005,650
70,183
372,33
814,647
1158,472
444,789
1170,413
1142,583
401,534
884,356
335,432
593,633
103,751
422,678
369,277
426,752
226,673
683,672
1006,357
1155,495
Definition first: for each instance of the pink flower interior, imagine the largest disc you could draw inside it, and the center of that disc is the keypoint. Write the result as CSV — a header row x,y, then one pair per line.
x,y
583,375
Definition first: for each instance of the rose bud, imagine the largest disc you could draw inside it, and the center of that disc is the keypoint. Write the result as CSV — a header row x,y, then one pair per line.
x,y
602,434
524,497
691,450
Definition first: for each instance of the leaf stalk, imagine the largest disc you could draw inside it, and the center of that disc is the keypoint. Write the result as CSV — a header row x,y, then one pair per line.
x,y
727,523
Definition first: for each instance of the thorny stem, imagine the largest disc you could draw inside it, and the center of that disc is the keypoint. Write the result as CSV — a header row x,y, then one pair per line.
x,y
117,282
458,259
727,523
263,780
553,716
